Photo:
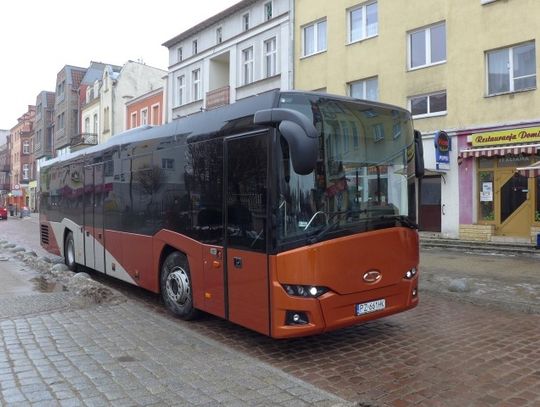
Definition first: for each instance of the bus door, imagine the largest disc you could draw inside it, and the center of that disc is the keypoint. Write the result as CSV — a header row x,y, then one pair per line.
x,y
94,244
245,231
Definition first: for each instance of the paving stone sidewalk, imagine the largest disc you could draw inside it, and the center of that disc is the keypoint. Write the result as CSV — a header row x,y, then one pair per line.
x,y
127,355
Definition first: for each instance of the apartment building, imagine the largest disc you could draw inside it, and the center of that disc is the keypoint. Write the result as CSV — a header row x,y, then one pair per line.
x,y
90,102
145,110
43,126
118,88
5,186
242,51
467,71
20,151
66,108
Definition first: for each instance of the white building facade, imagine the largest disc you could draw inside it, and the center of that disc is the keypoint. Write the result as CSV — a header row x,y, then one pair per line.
x,y
242,51
118,88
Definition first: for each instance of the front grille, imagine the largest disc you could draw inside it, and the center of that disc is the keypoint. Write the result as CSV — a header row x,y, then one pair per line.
x,y
45,234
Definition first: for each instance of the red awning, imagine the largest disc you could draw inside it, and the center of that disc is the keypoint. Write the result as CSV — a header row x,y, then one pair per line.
x,y
530,149
531,171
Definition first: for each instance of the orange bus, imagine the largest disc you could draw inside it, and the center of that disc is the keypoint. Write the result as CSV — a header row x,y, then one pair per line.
x,y
289,213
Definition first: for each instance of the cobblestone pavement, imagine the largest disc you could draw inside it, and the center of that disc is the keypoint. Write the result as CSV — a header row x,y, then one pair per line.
x,y
127,355
442,353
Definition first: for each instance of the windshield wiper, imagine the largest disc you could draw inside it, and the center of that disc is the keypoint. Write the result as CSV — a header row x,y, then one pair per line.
x,y
332,222
404,220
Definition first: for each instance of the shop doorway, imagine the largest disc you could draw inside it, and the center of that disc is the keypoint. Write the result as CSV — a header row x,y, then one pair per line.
x,y
506,197
429,213
514,204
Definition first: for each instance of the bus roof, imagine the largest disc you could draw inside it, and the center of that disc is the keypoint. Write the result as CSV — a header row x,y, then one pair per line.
x,y
207,124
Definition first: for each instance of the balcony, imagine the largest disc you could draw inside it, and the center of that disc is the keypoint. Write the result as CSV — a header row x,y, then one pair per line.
x,y
5,187
218,97
83,140
4,168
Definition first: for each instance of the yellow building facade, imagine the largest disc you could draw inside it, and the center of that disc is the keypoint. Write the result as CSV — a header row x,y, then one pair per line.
x,y
465,67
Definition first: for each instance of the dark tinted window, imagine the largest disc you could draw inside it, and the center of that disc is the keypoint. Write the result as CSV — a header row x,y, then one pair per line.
x,y
204,183
246,192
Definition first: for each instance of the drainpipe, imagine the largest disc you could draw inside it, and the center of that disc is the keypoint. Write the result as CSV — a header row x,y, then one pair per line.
x,y
291,43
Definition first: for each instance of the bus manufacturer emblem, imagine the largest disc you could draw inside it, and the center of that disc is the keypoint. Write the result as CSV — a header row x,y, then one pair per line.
x,y
372,276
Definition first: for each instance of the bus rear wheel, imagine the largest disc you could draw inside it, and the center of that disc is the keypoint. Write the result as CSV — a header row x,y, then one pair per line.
x,y
176,288
69,252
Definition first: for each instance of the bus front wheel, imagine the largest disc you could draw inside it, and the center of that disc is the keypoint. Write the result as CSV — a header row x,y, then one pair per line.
x,y
69,252
176,288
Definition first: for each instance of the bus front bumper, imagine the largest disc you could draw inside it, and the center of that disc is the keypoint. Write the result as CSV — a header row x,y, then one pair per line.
x,y
296,316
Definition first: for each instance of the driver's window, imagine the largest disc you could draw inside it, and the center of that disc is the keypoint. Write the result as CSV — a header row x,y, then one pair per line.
x,y
246,192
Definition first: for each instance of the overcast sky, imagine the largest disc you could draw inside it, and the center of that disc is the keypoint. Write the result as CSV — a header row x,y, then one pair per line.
x,y
38,37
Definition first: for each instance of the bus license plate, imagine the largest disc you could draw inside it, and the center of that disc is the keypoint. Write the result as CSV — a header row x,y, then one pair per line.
x,y
371,306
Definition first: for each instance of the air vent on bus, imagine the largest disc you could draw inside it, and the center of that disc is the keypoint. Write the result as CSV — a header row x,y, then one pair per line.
x,y
45,234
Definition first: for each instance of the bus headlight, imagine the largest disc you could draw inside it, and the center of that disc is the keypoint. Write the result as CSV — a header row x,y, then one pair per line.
x,y
306,291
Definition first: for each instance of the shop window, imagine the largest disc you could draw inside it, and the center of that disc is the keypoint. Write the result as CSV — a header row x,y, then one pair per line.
x,y
486,207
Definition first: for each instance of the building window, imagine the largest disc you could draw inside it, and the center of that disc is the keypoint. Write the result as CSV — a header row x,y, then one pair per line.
x,y
96,124
363,22
60,119
428,105
365,89
144,117
106,119
155,115
133,120
219,35
26,172
195,47
60,89
179,54
427,46
314,38
196,83
167,163
87,125
26,147
511,69
245,22
267,11
247,65
270,56
181,90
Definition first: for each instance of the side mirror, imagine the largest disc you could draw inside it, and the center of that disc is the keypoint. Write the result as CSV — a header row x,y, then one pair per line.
x,y
418,155
300,133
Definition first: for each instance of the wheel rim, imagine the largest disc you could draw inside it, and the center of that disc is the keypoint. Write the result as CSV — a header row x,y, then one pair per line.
x,y
177,286
70,252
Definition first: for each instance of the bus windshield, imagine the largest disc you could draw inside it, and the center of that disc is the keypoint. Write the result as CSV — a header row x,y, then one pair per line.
x,y
363,177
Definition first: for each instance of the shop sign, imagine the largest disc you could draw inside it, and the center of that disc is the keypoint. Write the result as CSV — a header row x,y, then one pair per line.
x,y
443,145
513,136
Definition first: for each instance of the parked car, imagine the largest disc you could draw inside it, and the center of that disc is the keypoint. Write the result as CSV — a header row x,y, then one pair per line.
x,y
3,212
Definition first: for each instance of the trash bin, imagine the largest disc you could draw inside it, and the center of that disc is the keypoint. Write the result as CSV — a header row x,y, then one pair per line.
x,y
538,240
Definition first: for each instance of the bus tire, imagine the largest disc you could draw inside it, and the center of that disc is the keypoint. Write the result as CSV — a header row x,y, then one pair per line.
x,y
176,288
69,252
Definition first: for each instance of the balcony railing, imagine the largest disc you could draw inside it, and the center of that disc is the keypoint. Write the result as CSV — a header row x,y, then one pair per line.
x,y
5,187
84,139
4,168
218,97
